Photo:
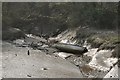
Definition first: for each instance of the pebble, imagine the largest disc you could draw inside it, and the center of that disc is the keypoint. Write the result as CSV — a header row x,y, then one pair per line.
x,y
29,75
44,69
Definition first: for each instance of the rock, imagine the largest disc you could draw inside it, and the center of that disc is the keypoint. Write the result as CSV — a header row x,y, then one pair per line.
x,y
52,40
102,60
34,39
113,73
63,54
64,41
15,54
68,41
19,42
44,69
89,55
91,72
45,46
86,69
29,75
85,44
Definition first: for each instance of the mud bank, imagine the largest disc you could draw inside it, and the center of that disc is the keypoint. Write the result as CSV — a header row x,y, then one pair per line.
x,y
18,64
43,60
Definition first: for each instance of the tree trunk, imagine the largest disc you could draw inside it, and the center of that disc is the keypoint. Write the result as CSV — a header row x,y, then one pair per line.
x,y
70,48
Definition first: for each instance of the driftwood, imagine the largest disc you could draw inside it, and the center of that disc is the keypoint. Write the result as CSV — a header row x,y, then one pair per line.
x,y
70,48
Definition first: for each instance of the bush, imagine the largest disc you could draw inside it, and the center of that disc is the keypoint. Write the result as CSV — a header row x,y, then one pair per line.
x,y
104,40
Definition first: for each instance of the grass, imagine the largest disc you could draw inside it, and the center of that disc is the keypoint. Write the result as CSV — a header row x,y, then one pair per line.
x,y
99,39
104,41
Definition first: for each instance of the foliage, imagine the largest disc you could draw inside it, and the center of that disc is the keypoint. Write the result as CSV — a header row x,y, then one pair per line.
x,y
104,40
28,16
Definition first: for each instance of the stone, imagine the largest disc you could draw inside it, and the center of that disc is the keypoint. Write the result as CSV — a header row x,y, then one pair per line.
x,y
89,55
113,73
102,60
63,54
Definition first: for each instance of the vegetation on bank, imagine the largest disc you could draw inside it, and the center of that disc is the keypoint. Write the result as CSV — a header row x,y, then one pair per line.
x,y
96,19
33,17
104,40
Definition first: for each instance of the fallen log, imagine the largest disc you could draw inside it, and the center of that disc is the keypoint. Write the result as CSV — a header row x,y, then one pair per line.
x,y
70,48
